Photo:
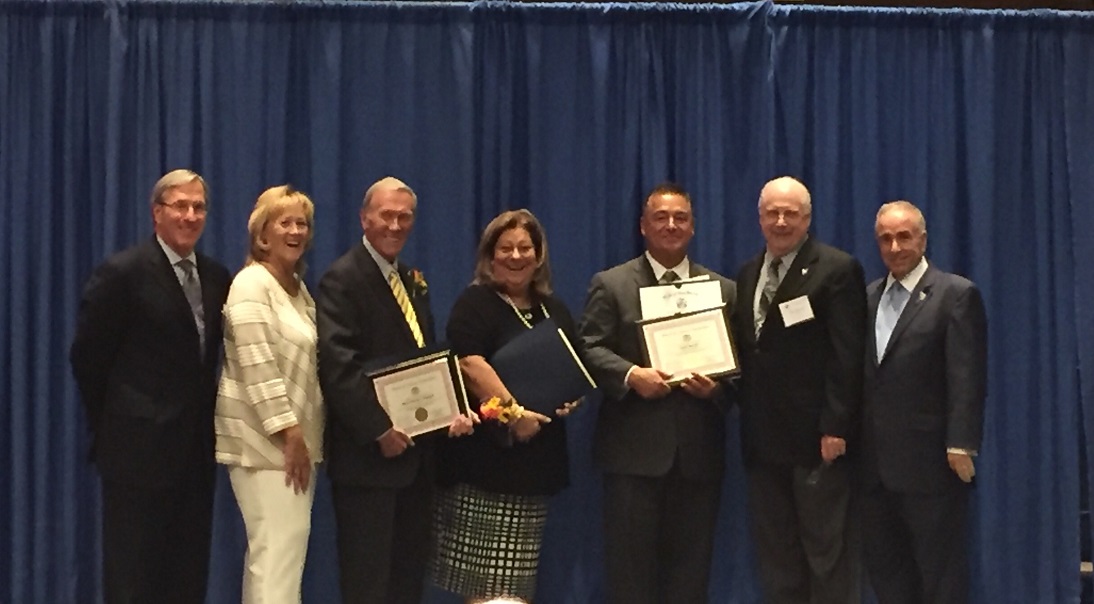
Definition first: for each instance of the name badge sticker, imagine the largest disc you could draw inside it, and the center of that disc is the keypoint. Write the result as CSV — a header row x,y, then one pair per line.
x,y
795,311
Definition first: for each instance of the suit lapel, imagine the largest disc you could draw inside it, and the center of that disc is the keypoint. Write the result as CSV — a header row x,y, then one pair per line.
x,y
916,301
385,298
746,294
209,300
799,273
168,282
643,272
797,276
873,298
418,302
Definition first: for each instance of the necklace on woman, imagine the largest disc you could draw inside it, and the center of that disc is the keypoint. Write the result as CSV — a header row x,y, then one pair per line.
x,y
524,316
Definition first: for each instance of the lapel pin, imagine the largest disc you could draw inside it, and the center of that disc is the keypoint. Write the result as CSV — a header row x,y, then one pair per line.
x,y
805,271
922,296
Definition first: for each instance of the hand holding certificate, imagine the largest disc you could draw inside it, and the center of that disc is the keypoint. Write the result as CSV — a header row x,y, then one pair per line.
x,y
421,394
696,342
541,369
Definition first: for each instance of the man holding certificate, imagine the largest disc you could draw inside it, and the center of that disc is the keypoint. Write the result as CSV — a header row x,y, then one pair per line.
x,y
661,446
372,308
800,327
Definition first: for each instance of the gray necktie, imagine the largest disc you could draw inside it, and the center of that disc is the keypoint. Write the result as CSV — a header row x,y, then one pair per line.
x,y
670,277
768,293
191,286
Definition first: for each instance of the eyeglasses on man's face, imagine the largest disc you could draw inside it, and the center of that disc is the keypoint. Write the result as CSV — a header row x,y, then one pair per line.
x,y
200,208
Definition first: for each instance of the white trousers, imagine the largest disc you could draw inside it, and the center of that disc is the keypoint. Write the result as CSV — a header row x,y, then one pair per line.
x,y
278,522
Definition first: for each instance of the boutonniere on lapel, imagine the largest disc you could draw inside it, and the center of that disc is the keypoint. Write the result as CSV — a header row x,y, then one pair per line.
x,y
417,280
922,296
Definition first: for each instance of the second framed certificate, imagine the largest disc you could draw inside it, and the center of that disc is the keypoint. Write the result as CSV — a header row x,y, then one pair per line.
x,y
696,342
422,394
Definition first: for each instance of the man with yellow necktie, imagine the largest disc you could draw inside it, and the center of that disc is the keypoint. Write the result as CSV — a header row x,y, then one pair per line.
x,y
372,307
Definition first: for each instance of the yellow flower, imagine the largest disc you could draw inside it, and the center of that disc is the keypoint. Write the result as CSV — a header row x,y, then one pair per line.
x,y
421,288
502,411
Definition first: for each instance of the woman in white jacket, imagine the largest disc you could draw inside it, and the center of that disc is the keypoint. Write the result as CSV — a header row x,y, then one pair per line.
x,y
269,416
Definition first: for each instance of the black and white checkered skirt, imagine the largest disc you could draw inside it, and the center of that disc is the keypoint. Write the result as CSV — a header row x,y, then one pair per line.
x,y
487,544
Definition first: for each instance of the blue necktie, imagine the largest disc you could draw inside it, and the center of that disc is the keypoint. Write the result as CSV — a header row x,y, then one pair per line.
x,y
888,312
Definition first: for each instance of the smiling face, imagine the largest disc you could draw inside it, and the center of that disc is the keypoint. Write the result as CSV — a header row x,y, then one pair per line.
x,y
179,216
286,235
901,239
668,227
515,261
785,215
387,221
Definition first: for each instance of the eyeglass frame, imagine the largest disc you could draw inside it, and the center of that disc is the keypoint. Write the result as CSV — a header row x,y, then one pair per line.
x,y
199,208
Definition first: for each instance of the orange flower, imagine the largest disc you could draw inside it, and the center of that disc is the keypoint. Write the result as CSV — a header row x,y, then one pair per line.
x,y
502,411
421,288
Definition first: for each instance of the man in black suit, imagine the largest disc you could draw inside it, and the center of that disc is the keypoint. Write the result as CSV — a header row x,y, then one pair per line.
x,y
661,448
148,341
800,327
372,308
926,376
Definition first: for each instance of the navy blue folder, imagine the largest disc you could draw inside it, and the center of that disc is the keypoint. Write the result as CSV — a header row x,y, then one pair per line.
x,y
541,369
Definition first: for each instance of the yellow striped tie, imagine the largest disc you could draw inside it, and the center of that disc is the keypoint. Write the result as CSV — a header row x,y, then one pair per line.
x,y
403,299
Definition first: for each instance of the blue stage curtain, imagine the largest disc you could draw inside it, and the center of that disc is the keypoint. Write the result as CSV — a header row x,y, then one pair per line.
x,y
574,111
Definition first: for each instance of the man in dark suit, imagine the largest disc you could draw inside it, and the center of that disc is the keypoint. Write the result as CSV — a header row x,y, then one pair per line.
x,y
800,327
926,375
372,308
148,341
661,448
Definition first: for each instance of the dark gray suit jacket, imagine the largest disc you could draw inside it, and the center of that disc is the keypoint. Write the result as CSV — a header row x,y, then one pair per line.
x,y
927,393
360,324
148,390
636,436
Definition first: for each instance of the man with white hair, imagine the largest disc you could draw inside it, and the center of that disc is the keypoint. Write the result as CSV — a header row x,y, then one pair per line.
x,y
372,306
800,331
923,412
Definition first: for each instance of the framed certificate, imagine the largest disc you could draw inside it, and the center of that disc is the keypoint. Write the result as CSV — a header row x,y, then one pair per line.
x,y
696,342
697,293
423,394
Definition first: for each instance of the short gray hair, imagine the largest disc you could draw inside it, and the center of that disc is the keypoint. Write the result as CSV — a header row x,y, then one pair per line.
x,y
176,178
907,206
389,183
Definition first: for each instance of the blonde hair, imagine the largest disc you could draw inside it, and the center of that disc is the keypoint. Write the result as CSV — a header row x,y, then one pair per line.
x,y
176,178
514,219
270,204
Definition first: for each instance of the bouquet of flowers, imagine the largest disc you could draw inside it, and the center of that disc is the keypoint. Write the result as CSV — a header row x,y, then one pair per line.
x,y
503,411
